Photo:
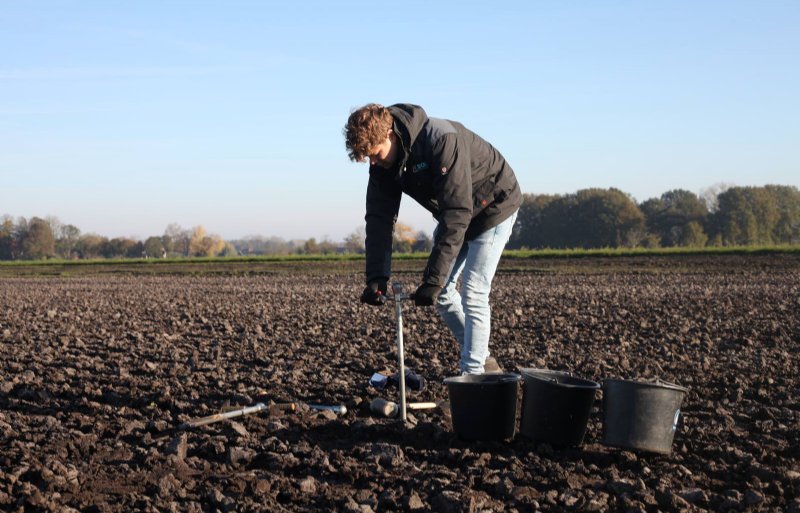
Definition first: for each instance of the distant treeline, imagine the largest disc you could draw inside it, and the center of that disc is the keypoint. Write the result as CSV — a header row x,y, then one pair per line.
x,y
589,218
38,238
41,238
600,218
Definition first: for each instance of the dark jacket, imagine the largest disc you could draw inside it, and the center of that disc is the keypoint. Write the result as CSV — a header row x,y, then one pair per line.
x,y
461,179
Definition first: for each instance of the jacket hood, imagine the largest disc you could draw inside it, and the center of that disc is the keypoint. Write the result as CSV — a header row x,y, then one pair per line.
x,y
408,122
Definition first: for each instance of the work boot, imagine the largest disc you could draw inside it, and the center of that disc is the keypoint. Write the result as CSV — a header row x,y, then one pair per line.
x,y
490,366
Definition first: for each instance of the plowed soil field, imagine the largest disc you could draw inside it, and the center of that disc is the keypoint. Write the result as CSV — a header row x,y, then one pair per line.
x,y
99,368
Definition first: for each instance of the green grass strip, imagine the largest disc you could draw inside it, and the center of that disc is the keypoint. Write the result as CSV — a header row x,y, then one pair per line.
x,y
647,252
509,254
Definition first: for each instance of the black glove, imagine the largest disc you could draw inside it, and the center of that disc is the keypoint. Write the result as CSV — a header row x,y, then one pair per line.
x,y
375,293
426,294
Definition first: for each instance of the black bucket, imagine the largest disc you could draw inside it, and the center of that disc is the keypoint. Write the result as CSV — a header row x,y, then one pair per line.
x,y
641,415
484,406
556,406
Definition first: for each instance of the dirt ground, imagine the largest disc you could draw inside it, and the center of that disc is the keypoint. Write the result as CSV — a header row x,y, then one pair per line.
x,y
98,370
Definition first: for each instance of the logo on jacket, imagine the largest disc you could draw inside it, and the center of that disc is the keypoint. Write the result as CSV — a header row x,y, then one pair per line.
x,y
421,166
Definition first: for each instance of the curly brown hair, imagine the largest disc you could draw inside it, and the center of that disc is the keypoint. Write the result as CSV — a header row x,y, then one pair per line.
x,y
366,128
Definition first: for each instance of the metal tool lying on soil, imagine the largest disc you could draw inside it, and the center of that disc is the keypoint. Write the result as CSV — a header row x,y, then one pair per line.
x,y
339,409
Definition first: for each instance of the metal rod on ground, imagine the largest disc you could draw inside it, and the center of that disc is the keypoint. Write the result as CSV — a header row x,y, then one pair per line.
x,y
397,288
218,417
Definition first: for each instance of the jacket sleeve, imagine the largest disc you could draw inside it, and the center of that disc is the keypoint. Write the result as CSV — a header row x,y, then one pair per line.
x,y
452,183
383,203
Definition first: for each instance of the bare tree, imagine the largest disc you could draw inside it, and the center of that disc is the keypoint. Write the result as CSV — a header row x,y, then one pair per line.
x,y
177,239
354,242
67,238
327,246
710,195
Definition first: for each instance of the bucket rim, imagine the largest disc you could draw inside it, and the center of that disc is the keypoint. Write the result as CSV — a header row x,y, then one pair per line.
x,y
658,383
586,384
494,379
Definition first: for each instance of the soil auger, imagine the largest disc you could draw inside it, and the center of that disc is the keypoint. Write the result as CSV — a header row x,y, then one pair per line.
x,y
398,297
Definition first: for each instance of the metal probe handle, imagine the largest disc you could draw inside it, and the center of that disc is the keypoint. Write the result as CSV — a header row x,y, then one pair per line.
x,y
399,297
223,416
397,289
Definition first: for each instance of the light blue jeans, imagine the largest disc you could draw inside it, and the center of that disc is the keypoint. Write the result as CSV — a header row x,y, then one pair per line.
x,y
467,313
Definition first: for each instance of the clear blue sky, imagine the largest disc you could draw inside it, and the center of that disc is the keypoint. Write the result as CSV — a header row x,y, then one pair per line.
x,y
123,117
